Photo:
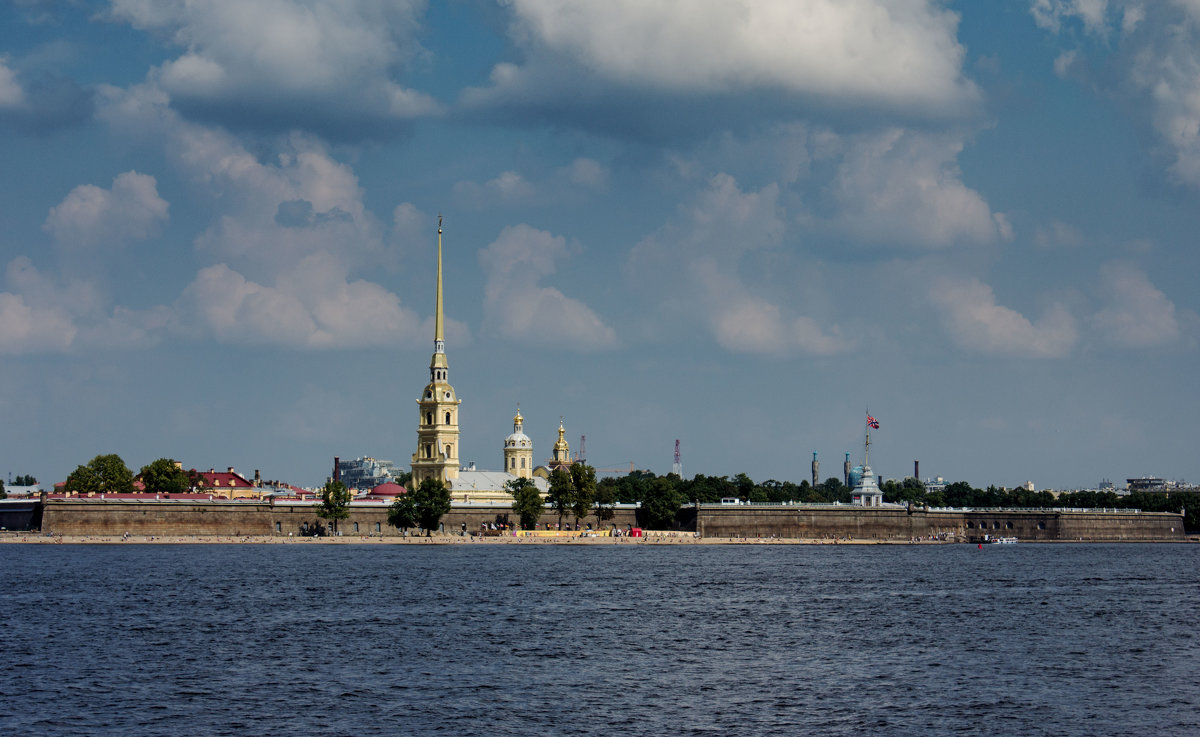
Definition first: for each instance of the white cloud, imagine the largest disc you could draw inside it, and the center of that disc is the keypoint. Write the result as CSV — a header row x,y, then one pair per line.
x,y
977,322
91,216
1137,314
1058,235
692,265
11,93
516,306
904,188
321,64
588,173
508,188
903,53
1049,14
39,314
313,306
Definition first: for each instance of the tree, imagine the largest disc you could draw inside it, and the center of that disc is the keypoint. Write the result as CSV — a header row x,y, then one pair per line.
x,y
403,479
102,474
583,490
605,499
3,493
561,491
527,502
164,476
660,505
403,513
335,503
431,501
25,480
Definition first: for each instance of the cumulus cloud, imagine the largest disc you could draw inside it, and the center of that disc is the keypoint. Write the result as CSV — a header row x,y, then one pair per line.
x,y
588,173
323,65
902,187
1155,65
312,306
517,306
1058,234
41,102
506,189
11,93
1136,315
903,54
978,323
93,216
39,314
693,265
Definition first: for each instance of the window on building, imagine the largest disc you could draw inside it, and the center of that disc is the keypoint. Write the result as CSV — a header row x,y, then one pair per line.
x,y
356,527
279,527
377,527
428,418
448,453
512,462
522,463
447,418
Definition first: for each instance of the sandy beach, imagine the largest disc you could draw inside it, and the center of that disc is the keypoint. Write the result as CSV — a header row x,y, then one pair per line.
x,y
665,538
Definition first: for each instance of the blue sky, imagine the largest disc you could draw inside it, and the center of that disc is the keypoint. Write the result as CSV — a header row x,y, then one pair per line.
x,y
739,224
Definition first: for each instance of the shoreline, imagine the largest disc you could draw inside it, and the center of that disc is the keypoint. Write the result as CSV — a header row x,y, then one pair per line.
x,y
681,538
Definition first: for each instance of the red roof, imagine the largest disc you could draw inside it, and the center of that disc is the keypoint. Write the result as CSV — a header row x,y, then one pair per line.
x,y
388,489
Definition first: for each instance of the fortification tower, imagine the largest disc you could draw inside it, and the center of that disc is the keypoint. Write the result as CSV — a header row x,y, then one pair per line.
x,y
518,450
437,421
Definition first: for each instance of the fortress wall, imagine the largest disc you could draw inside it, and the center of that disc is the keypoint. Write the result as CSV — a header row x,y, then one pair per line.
x,y
859,523
224,518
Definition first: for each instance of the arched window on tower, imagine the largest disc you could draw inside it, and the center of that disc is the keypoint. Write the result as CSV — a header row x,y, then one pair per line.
x,y
448,453
428,418
522,464
447,418
512,462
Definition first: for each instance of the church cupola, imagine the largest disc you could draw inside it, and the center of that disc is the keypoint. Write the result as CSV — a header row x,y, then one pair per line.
x,y
518,450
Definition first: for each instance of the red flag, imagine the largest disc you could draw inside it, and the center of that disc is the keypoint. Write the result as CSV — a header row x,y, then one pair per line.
x,y
873,422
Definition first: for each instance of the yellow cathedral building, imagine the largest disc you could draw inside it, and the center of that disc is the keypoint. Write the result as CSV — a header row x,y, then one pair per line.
x,y
437,451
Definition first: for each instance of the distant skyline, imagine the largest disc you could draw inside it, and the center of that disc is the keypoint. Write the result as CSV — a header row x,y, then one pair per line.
x,y
739,227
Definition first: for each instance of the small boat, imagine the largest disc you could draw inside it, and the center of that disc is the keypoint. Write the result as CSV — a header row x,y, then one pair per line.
x,y
1003,540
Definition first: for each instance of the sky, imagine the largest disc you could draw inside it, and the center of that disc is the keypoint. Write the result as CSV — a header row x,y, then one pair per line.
x,y
740,224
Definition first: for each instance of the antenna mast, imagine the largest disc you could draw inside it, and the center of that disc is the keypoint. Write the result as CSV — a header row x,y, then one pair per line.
x,y
677,466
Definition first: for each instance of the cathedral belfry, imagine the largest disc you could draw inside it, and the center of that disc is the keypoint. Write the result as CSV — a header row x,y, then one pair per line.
x,y
437,423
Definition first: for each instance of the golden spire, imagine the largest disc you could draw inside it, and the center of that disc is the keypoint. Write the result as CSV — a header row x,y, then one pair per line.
x,y
439,340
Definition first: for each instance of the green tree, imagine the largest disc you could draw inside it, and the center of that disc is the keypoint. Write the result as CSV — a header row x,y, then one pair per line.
x,y
403,513
661,504
606,499
527,502
404,479
103,474
561,492
25,480
583,490
164,476
335,503
3,493
431,501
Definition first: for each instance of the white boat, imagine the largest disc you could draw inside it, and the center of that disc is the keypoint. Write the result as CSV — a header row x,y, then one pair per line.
x,y
1003,540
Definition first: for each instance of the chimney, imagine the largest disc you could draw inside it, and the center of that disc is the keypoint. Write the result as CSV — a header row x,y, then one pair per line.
x,y
917,470
229,469
337,468
257,478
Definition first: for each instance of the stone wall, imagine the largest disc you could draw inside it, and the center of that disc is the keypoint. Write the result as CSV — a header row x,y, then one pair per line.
x,y
860,523
227,518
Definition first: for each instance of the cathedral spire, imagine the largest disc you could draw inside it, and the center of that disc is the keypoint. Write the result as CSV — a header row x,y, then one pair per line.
x,y
439,338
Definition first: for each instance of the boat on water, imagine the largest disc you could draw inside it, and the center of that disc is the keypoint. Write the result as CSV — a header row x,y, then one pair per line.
x,y
1000,540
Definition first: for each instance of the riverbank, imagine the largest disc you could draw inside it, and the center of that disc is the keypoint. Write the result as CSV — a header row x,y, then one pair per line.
x,y
652,538
666,538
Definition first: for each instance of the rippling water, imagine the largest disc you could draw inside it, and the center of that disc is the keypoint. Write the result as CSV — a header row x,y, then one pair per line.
x,y
520,640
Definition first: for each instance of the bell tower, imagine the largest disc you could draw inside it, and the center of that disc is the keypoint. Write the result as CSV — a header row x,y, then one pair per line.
x,y
518,450
437,421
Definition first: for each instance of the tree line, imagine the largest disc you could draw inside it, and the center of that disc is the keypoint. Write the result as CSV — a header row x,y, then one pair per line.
x,y
577,492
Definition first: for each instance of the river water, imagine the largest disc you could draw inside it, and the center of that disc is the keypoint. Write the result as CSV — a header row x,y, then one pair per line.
x,y
547,639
